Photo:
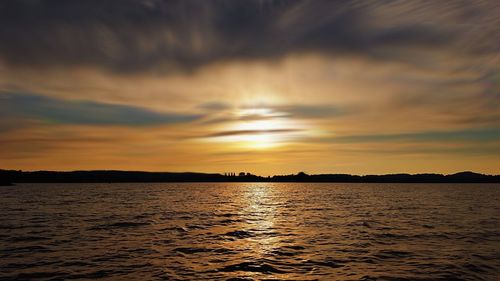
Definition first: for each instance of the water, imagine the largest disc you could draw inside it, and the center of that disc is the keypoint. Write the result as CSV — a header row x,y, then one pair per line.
x,y
250,231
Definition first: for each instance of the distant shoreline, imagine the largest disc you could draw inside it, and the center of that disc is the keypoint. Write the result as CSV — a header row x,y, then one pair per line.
x,y
7,177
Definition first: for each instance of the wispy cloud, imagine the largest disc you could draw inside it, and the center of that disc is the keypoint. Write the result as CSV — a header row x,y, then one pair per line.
x,y
250,132
313,111
131,35
274,112
475,134
62,111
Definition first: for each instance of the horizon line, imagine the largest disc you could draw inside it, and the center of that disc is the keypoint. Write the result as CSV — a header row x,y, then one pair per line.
x,y
237,173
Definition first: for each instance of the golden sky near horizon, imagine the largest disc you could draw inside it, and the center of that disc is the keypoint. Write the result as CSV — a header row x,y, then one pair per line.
x,y
267,87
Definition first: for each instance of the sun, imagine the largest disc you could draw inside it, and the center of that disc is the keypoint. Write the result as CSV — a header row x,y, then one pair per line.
x,y
260,128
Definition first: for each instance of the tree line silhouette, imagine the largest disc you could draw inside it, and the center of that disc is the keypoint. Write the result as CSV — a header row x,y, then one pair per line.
x,y
110,176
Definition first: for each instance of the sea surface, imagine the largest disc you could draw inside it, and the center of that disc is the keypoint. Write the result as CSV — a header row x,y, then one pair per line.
x,y
250,231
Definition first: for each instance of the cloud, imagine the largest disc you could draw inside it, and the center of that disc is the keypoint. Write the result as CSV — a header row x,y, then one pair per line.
x,y
476,135
250,132
312,111
215,106
134,35
41,108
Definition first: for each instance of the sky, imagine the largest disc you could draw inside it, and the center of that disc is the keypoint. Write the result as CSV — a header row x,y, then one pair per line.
x,y
267,87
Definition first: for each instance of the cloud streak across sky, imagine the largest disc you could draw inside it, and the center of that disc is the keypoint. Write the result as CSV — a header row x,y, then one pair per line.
x,y
131,35
83,112
320,80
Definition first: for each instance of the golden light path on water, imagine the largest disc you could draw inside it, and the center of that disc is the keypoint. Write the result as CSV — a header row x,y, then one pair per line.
x,y
250,231
257,197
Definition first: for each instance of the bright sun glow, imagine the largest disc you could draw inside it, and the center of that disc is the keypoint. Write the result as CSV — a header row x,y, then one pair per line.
x,y
260,128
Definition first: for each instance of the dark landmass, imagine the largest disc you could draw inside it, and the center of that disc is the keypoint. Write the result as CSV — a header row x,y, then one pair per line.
x,y
2,183
7,177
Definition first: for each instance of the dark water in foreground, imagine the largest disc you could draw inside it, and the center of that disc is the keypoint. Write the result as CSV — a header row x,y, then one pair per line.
x,y
254,231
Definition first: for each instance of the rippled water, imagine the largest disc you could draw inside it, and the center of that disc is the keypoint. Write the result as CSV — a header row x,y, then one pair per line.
x,y
250,231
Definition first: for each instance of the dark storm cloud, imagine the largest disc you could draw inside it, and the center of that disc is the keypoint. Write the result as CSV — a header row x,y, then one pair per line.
x,y
127,35
29,106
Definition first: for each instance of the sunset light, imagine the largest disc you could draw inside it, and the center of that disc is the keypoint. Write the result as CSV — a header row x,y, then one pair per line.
x,y
260,128
249,140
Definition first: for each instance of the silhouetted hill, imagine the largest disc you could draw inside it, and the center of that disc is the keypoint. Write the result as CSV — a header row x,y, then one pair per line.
x,y
12,176
465,177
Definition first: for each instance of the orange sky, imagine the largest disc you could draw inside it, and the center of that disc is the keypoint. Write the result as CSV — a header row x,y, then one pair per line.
x,y
343,88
